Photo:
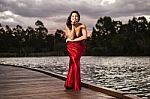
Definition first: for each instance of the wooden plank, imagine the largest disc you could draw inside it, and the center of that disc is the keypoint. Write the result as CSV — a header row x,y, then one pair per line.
x,y
20,83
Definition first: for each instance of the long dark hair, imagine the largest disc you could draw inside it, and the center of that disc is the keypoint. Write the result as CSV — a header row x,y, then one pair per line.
x,y
68,23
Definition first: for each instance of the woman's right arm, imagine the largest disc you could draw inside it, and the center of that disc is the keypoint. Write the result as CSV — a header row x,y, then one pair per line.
x,y
70,33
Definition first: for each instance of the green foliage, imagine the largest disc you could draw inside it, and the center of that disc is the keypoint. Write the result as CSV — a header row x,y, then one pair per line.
x,y
114,38
30,40
109,37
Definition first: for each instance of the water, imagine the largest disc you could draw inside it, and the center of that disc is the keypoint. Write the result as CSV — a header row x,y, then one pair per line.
x,y
128,74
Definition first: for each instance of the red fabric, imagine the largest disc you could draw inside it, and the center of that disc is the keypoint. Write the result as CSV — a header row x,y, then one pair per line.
x,y
75,50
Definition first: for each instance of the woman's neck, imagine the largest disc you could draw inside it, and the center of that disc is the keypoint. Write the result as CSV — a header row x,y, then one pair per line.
x,y
77,24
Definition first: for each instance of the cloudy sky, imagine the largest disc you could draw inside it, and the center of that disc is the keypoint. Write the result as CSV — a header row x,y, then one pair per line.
x,y
53,13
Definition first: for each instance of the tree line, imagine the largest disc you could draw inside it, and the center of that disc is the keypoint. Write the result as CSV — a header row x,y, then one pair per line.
x,y
111,37
108,37
24,42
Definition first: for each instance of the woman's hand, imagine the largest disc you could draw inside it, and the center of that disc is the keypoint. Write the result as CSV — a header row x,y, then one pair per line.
x,y
74,22
68,39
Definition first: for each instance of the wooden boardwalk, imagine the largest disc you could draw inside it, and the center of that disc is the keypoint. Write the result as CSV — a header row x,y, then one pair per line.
x,y
20,83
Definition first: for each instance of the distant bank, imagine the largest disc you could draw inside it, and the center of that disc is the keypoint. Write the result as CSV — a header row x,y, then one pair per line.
x,y
54,53
31,54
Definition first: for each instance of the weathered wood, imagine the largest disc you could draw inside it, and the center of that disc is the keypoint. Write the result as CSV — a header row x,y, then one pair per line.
x,y
20,83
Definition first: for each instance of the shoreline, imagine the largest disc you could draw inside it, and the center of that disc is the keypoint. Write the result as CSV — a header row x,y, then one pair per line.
x,y
48,54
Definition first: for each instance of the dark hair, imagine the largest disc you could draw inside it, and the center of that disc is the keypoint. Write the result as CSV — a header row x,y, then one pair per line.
x,y
68,23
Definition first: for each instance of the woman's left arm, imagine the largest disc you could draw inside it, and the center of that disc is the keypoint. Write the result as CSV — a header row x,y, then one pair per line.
x,y
84,34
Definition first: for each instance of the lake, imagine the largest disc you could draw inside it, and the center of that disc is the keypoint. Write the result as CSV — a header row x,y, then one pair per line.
x,y
128,74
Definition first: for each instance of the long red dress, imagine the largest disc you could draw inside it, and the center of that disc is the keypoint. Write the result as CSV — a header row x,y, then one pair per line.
x,y
75,50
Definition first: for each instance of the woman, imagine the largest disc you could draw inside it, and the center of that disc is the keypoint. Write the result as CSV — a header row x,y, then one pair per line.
x,y
76,34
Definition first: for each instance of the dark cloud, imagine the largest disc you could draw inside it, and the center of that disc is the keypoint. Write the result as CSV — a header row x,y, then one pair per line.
x,y
36,9
57,11
3,6
47,8
130,8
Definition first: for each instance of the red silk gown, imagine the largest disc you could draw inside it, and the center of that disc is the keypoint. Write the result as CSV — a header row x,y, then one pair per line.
x,y
75,50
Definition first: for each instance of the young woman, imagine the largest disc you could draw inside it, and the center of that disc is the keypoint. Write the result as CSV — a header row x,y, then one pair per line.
x,y
76,35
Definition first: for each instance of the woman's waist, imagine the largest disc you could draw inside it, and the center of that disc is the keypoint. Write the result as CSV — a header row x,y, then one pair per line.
x,y
83,41
80,43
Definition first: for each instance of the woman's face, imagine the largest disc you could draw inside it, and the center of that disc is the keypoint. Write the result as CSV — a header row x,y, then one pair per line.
x,y
74,17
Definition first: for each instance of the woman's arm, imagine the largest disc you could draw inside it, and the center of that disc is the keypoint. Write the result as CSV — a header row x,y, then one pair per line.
x,y
70,33
84,35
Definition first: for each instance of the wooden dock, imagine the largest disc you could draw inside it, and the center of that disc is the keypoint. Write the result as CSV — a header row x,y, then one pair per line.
x,y
20,83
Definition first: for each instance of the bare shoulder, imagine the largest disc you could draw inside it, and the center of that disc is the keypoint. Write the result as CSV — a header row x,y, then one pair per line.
x,y
83,26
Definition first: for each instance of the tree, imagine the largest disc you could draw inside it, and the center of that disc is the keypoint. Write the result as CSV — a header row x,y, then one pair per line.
x,y
41,33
